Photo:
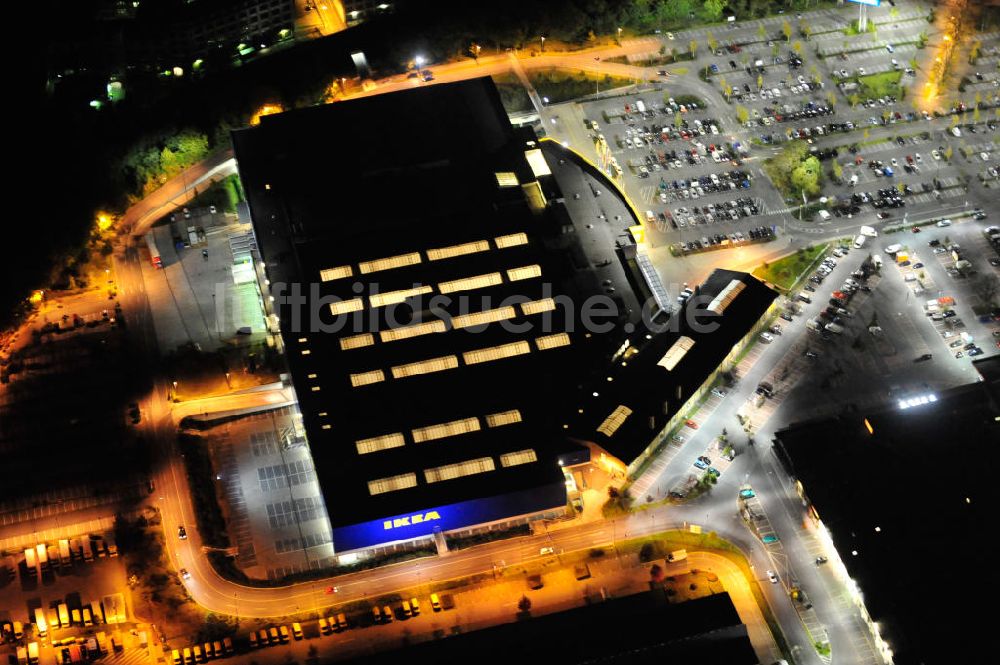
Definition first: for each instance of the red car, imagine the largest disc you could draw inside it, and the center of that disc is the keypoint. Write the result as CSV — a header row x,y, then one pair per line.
x,y
692,424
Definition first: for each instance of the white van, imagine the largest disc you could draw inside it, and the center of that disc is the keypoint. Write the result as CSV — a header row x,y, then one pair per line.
x,y
836,329
869,231
824,215
859,242
854,180
955,131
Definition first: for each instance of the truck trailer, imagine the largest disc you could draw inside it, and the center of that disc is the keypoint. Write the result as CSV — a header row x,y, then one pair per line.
x,y
65,560
154,253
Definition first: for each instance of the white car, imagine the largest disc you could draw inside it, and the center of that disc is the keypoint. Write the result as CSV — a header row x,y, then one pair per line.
x,y
935,154
985,156
888,47
670,36
861,71
773,576
766,337
943,223
917,157
893,249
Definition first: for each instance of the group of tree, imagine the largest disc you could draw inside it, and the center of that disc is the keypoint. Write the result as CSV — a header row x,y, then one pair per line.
x,y
795,171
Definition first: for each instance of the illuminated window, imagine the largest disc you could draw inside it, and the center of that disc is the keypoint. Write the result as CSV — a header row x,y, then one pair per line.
x,y
615,420
507,179
512,240
538,306
331,274
536,160
526,456
322,414
389,262
346,306
452,251
470,283
306,352
425,367
377,443
676,353
367,378
413,331
311,376
326,427
443,430
396,297
496,353
503,418
526,272
460,470
552,341
392,483
315,389
356,341
484,317
726,296
303,339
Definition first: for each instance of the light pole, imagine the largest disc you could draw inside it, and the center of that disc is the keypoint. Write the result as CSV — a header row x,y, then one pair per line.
x,y
543,44
476,48
619,36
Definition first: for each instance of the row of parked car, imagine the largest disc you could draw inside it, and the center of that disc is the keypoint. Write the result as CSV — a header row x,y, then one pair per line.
x,y
722,241
698,187
713,213
209,650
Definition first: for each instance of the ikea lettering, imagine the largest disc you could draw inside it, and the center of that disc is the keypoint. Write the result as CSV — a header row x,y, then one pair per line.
x,y
410,520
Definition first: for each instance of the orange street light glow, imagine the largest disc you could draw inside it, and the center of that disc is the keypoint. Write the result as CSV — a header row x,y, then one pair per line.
x,y
104,221
266,109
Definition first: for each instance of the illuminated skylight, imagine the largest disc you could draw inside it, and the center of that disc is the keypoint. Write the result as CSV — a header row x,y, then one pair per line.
x,y
392,483
615,420
452,251
503,418
377,443
512,240
726,296
518,457
346,306
552,341
676,353
470,283
396,297
538,306
331,274
443,430
367,378
413,331
459,470
389,263
496,352
356,341
526,272
484,317
425,367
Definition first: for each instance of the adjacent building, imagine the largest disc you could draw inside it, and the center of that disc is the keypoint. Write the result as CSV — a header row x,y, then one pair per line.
x,y
900,498
660,373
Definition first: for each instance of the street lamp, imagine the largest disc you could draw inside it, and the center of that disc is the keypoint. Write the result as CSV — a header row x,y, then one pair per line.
x,y
419,61
543,44
619,36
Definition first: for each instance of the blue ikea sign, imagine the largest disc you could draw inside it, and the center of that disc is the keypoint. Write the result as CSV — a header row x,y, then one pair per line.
x,y
425,522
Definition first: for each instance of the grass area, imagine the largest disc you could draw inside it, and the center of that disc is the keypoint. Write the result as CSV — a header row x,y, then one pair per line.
x,y
513,96
785,272
201,480
881,85
561,86
224,195
461,542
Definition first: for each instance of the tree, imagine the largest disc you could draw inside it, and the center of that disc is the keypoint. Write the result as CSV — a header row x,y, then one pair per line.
x,y
975,114
693,46
678,120
656,573
710,40
805,29
987,287
978,99
954,120
712,9
854,99
837,169
761,32
786,29
742,114
760,81
775,49
524,605
831,99
805,177
974,52
948,152
797,47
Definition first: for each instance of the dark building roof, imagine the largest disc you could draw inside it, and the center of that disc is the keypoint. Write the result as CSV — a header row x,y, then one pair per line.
x,y
912,500
634,630
419,190
658,373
